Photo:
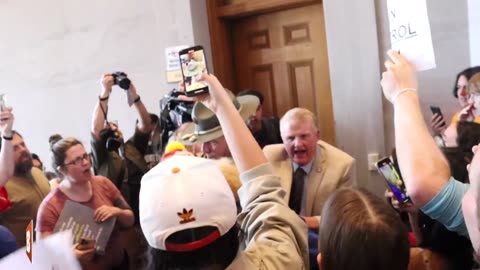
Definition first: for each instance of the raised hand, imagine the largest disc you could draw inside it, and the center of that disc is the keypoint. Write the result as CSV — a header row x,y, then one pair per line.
x,y
107,82
400,75
6,122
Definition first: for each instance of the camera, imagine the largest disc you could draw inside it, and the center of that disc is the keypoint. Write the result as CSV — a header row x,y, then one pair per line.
x,y
173,113
113,140
121,79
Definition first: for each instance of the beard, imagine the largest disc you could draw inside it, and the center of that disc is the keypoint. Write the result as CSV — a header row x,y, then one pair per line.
x,y
24,166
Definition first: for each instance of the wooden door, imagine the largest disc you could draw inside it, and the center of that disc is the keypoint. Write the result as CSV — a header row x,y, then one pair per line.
x,y
284,55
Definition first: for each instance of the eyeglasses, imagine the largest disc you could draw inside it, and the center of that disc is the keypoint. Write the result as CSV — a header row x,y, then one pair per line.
x,y
79,160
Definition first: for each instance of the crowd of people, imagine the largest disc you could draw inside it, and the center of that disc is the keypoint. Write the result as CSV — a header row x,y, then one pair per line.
x,y
237,190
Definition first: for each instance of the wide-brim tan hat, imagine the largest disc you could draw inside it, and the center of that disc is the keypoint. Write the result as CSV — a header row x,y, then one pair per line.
x,y
205,126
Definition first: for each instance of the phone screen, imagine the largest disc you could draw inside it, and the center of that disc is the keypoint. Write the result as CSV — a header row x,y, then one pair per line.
x,y
193,64
436,110
394,182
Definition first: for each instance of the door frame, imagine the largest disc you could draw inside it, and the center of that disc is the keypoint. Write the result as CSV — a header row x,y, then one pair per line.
x,y
222,16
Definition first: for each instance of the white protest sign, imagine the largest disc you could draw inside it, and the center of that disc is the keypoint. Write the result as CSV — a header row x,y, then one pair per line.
x,y
52,253
410,32
173,63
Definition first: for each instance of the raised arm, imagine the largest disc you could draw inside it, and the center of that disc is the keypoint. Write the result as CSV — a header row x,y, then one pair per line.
x,y
423,166
245,150
101,107
144,122
7,157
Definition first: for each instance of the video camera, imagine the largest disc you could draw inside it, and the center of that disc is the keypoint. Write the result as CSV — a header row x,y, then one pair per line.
x,y
173,113
113,140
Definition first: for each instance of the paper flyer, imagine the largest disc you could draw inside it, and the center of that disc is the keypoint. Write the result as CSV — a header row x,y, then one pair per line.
x,y
173,63
410,32
79,218
52,253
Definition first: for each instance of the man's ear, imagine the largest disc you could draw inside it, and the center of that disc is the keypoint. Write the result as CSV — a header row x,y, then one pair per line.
x,y
319,259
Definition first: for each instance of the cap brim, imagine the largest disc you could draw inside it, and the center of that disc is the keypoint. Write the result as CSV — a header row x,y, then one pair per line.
x,y
248,106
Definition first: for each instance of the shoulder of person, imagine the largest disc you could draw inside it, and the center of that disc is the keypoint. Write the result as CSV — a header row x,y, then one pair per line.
x,y
102,181
332,153
275,152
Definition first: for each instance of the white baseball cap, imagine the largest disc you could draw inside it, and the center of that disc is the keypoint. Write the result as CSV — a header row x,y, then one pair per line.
x,y
185,192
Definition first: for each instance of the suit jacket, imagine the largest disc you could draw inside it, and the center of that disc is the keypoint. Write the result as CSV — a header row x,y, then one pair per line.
x,y
331,169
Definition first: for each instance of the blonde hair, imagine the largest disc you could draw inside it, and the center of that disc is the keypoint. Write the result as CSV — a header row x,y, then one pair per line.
x,y
474,84
298,114
231,174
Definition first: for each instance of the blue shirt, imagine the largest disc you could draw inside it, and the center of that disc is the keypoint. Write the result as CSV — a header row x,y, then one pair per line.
x,y
446,207
8,244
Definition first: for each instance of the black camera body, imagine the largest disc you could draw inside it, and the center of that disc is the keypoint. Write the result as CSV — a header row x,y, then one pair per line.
x,y
173,113
121,79
113,141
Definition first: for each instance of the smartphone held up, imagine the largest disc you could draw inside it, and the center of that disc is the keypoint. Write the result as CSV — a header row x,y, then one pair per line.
x,y
193,63
393,179
3,102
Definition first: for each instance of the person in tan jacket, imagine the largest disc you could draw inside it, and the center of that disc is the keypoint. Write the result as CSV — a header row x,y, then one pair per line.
x,y
325,167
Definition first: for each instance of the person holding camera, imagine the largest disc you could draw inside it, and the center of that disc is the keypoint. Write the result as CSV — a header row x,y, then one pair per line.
x,y
120,161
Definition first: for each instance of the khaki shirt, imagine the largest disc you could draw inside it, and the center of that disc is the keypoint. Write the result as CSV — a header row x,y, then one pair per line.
x,y
275,237
25,193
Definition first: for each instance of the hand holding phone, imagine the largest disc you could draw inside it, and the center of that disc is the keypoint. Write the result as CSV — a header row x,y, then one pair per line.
x,y
437,123
392,177
6,117
3,102
85,244
436,110
193,64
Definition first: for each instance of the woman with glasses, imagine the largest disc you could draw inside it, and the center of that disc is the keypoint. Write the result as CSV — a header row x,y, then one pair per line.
x,y
72,163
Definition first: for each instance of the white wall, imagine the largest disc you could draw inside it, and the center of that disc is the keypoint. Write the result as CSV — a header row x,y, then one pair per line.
x,y
53,53
353,56
450,35
474,30
357,42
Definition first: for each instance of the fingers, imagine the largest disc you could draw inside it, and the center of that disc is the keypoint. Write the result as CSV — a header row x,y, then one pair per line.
x,y
104,212
100,213
389,65
396,57
437,122
475,148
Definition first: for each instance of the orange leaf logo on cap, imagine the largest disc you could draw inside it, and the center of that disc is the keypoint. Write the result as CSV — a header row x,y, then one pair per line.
x,y
186,216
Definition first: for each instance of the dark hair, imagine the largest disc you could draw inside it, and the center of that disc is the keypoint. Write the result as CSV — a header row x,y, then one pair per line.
x,y
51,175
219,253
36,157
59,152
251,92
468,73
54,138
360,231
468,135
14,132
